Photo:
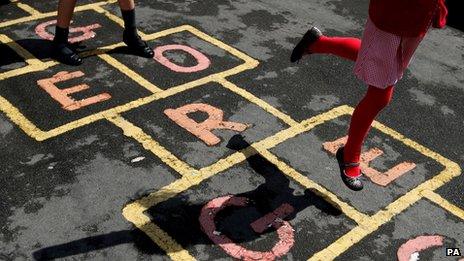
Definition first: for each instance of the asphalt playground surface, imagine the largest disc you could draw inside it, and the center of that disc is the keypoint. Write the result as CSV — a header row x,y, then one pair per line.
x,y
130,173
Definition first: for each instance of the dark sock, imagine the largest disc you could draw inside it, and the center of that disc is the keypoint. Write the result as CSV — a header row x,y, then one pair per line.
x,y
61,35
129,21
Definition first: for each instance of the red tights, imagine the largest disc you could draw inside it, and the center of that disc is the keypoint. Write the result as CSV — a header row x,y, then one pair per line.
x,y
370,106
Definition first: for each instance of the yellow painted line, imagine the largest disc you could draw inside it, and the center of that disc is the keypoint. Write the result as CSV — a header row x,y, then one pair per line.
x,y
44,135
28,8
38,16
16,116
253,99
348,210
158,93
134,212
131,74
20,71
26,55
115,18
366,225
33,64
251,62
25,19
440,201
101,50
412,144
130,130
371,224
161,238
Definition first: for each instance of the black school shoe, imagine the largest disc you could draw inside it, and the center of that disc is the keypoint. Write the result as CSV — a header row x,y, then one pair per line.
x,y
137,45
352,183
308,38
64,53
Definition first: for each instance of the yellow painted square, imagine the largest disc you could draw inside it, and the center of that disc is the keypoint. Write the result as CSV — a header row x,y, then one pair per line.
x,y
134,212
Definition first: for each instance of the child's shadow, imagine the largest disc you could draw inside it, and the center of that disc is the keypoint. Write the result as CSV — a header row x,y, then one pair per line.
x,y
179,216
276,189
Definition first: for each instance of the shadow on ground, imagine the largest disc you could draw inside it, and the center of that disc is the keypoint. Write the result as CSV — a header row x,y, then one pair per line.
x,y
180,219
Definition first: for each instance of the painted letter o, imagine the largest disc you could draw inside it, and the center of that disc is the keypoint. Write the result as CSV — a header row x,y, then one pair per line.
x,y
202,61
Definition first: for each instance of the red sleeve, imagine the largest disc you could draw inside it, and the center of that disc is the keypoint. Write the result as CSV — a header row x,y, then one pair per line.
x,y
439,20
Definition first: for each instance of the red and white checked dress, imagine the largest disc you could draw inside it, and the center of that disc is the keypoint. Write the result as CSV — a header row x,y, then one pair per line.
x,y
383,56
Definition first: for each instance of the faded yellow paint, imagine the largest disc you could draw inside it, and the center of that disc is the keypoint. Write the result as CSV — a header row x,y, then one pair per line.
x,y
131,74
39,15
115,18
28,8
158,93
440,201
161,238
371,224
134,212
33,64
253,99
366,224
148,143
348,210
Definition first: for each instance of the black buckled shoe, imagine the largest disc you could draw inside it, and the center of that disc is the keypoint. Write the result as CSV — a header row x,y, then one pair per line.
x,y
137,45
308,38
352,183
63,53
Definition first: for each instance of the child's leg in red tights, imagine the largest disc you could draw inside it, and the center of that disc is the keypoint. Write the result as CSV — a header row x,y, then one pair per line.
x,y
345,47
373,102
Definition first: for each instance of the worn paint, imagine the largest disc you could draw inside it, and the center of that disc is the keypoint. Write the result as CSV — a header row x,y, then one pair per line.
x,y
417,245
284,229
204,129
134,211
62,95
379,178
203,62
87,31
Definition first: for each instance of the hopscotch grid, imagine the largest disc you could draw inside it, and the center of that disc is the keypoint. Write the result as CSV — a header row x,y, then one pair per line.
x,y
40,135
132,131
366,224
36,64
27,8
443,203
134,212
40,15
32,63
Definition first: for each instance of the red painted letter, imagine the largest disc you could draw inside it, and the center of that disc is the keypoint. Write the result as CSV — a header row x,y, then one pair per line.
x,y
203,130
87,31
62,95
414,246
202,61
379,178
284,229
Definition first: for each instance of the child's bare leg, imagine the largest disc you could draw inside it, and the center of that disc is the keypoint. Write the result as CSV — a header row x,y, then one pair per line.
x,y
65,12
126,4
62,51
